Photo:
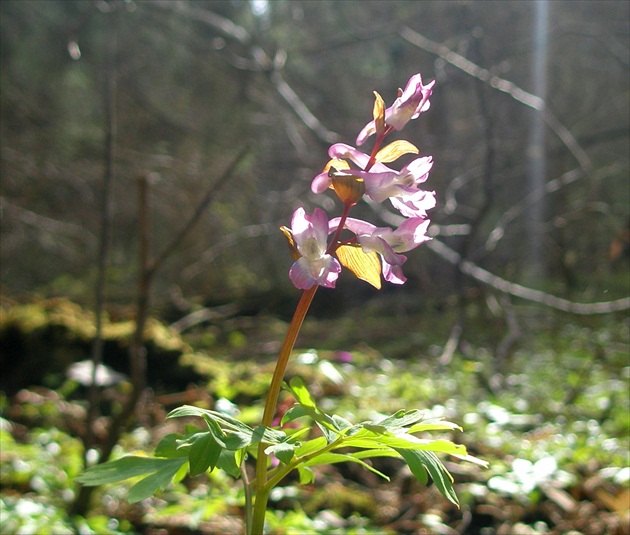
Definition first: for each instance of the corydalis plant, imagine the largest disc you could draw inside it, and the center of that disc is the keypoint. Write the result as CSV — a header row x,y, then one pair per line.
x,y
352,174
321,248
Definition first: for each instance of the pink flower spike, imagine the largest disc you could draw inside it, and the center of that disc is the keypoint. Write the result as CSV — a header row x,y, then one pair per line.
x,y
310,233
409,105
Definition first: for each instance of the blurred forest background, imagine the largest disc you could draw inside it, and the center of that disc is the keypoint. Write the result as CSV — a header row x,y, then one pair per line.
x,y
528,129
163,112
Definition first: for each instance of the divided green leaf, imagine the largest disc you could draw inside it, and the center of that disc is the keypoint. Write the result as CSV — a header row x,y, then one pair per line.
x,y
283,451
204,453
421,462
161,472
155,482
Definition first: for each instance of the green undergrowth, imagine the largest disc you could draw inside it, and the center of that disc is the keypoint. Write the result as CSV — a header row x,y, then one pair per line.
x,y
552,414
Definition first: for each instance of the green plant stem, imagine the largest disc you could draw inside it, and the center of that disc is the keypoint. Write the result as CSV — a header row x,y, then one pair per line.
x,y
248,494
297,461
262,490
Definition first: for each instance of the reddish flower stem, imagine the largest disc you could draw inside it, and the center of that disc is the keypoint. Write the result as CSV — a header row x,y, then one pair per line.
x,y
262,492
377,146
334,243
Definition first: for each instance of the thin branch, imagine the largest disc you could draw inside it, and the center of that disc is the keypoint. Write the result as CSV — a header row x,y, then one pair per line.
x,y
204,315
258,60
517,290
505,86
549,187
137,351
300,109
106,209
201,207
228,241
519,208
529,294
45,224
222,24
82,499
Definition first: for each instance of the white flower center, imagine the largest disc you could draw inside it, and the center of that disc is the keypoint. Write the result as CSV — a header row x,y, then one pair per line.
x,y
311,249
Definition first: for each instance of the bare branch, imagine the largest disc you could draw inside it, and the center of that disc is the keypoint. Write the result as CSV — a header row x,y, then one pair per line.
x,y
201,316
229,240
500,284
517,209
300,108
505,86
201,207
45,224
223,25
258,58
517,290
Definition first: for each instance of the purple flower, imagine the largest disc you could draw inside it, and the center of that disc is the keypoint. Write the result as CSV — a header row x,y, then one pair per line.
x,y
409,105
414,203
341,151
400,186
345,357
310,233
389,243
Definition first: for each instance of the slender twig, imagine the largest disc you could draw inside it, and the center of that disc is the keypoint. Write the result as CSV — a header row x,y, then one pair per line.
x,y
104,241
500,84
137,351
518,290
258,60
201,208
502,285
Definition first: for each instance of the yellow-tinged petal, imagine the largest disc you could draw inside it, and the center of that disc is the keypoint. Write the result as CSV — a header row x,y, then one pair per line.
x,y
349,188
379,113
366,266
292,245
395,150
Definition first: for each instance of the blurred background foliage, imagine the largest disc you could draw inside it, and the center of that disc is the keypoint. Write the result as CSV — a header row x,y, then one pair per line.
x,y
196,81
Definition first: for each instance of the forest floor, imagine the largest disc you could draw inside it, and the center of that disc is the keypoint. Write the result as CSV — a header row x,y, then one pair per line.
x,y
551,416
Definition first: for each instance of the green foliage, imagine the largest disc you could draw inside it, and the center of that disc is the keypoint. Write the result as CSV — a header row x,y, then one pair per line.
x,y
160,473
38,484
45,463
227,441
566,443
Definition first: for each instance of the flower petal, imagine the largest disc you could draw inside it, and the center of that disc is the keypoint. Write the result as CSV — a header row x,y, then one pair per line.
x,y
409,105
415,204
305,273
